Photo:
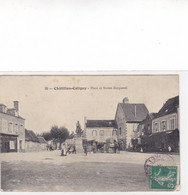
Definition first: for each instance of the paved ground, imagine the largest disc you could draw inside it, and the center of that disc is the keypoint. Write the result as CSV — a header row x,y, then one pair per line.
x,y
48,171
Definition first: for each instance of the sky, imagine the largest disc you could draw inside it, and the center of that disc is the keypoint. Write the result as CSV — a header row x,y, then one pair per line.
x,y
44,108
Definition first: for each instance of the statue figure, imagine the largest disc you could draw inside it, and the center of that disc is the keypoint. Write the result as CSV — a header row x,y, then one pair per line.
x,y
78,129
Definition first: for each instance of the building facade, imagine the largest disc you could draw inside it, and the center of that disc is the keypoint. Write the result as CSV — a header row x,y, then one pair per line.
x,y
144,130
165,126
145,126
12,129
128,116
100,130
42,144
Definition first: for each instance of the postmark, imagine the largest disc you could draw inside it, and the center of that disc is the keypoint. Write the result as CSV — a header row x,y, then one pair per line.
x,y
157,160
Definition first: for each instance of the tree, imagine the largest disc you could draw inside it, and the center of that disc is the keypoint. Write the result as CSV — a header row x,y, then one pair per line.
x,y
59,134
47,136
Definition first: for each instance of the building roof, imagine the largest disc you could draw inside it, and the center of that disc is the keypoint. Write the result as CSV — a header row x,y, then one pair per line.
x,y
152,115
30,136
149,116
134,112
101,123
7,112
42,140
9,134
169,107
12,115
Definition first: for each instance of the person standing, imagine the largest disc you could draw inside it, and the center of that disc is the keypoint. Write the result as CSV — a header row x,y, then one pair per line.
x,y
64,150
85,147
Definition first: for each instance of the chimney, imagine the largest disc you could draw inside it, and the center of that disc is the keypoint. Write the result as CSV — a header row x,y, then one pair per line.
x,y
126,100
16,105
135,110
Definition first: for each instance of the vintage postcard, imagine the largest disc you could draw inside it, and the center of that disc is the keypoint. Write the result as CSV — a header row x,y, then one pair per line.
x,y
90,133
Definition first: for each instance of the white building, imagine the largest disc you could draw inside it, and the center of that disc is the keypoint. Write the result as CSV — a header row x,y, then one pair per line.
x,y
100,130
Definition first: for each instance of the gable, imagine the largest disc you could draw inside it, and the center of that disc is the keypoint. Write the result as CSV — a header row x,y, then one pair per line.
x,y
119,113
134,112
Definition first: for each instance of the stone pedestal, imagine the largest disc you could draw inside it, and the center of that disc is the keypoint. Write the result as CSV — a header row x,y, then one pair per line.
x,y
78,144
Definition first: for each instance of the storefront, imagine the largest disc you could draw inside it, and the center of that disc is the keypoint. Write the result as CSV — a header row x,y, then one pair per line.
x,y
167,141
8,143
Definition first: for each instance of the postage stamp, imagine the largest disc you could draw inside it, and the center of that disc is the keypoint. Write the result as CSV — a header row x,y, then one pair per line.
x,y
163,177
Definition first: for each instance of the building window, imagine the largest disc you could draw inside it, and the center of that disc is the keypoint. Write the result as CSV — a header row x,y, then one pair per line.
x,y
0,124
12,145
156,127
94,133
135,128
10,127
21,127
172,124
141,128
163,125
114,132
4,125
16,128
120,131
101,132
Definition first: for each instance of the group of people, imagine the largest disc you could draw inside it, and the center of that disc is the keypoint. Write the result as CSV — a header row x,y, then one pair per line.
x,y
49,147
91,147
67,149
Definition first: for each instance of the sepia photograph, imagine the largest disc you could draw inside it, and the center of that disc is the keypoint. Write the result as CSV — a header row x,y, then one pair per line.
x,y
90,133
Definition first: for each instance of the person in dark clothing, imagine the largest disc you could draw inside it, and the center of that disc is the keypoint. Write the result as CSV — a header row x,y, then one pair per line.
x,y
115,146
85,149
